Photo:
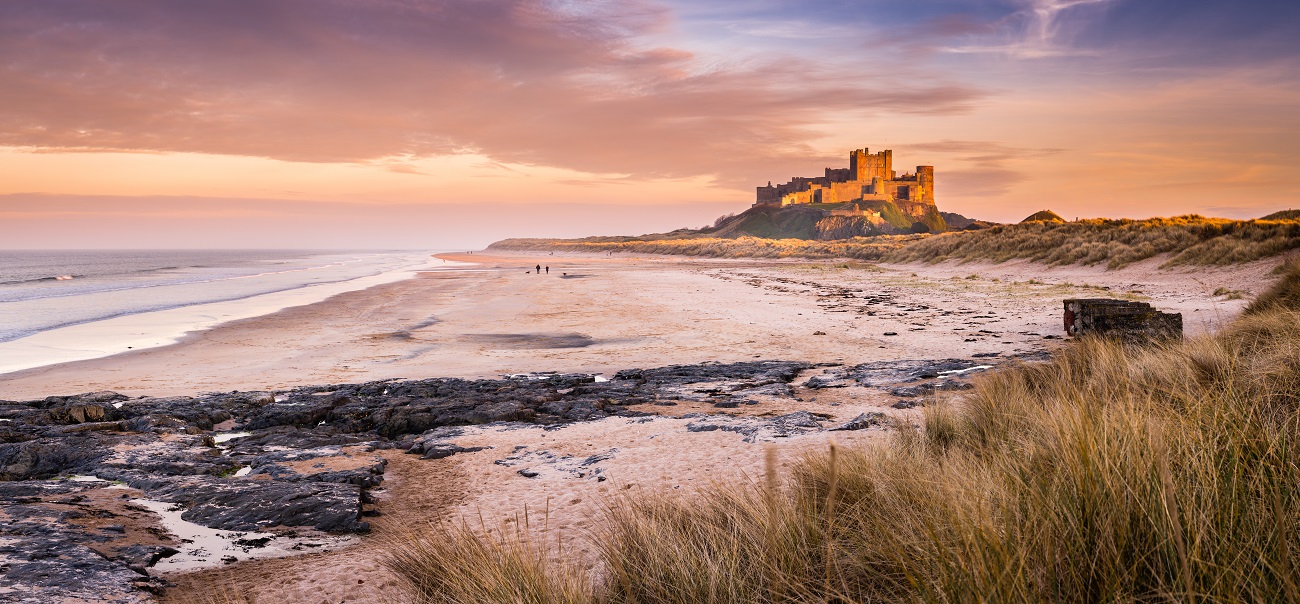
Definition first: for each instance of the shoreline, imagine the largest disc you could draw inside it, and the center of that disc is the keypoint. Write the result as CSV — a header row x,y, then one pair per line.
x,y
138,331
603,314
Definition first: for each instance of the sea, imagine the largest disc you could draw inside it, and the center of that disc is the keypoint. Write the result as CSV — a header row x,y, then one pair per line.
x,y
57,306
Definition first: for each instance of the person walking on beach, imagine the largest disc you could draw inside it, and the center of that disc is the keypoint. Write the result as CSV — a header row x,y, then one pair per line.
x,y
548,270
539,269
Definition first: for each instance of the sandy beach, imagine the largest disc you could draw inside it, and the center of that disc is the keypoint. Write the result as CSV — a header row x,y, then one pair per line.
x,y
601,315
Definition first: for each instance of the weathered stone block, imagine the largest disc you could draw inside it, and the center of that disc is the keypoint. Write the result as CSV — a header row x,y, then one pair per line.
x,y
1122,319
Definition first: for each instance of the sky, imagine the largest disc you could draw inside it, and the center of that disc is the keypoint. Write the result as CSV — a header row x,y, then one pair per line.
x,y
450,124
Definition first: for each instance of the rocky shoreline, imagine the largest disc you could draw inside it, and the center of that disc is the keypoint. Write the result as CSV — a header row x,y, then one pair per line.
x,y
83,478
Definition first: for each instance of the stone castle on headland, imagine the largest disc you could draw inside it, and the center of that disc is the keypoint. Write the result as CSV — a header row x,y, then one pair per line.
x,y
866,199
869,177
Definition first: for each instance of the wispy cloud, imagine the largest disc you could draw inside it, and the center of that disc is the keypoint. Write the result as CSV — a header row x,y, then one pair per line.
x,y
980,168
984,152
1039,30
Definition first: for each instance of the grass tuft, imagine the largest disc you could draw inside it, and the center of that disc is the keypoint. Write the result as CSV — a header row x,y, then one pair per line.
x,y
1285,294
457,564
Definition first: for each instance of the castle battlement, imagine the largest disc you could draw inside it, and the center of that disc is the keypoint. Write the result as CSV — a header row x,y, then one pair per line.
x,y
869,177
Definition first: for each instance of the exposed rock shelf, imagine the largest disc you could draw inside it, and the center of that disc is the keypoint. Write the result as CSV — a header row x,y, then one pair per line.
x,y
294,468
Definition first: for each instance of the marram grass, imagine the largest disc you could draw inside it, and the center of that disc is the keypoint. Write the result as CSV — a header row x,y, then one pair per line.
x,y
1185,240
448,564
1194,240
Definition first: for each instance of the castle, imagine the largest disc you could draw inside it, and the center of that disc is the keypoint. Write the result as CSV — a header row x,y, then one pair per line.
x,y
869,178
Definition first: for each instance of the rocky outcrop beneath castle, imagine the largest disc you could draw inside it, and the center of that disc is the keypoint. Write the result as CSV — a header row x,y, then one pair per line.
x,y
805,222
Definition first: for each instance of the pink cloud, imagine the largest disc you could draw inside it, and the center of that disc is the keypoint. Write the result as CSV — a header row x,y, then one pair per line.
x,y
359,80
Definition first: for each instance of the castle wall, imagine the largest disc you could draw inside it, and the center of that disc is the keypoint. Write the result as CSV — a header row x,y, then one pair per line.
x,y
891,189
849,191
797,197
869,177
834,175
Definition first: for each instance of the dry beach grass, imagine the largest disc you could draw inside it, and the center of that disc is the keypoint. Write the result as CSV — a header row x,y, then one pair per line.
x,y
1110,473
1188,240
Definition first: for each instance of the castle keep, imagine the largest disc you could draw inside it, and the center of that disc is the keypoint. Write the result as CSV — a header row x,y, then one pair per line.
x,y
869,178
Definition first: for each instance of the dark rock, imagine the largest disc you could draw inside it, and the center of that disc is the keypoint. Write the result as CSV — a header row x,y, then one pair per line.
x,y
47,458
439,451
95,427
712,426
772,389
43,558
289,437
253,543
826,381
913,391
861,422
140,557
254,505
599,457
798,419
364,477
79,413
885,373
527,473
756,429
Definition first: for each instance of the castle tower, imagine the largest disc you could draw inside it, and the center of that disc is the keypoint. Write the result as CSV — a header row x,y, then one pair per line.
x,y
925,182
864,166
768,195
